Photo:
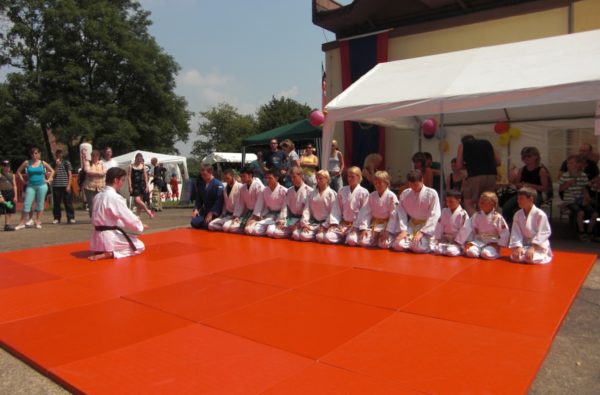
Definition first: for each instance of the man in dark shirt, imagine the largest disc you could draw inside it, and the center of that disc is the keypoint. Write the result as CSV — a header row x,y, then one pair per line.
x,y
480,159
209,199
274,159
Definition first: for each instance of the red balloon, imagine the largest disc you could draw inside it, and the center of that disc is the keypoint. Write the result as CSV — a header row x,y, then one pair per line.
x,y
317,118
429,127
501,127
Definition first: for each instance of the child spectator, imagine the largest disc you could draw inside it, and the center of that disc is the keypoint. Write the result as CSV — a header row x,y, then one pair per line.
x,y
452,220
174,187
572,184
530,230
486,231
8,195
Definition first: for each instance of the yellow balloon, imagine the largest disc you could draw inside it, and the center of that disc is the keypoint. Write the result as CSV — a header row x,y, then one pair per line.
x,y
444,146
504,139
514,133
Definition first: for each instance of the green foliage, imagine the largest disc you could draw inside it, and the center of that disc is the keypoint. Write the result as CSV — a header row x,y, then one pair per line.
x,y
223,130
279,112
94,73
15,146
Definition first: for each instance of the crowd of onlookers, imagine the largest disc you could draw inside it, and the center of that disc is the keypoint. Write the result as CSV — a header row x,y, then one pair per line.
x,y
147,186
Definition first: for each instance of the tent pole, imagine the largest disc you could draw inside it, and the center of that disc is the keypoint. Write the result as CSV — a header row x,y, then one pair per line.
x,y
243,155
442,177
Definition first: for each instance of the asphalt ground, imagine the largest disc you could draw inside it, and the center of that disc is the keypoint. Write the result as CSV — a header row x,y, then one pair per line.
x,y
571,367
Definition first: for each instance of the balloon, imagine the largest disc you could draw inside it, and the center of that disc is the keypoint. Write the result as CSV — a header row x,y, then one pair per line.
x,y
317,118
441,134
514,133
444,146
504,139
501,127
429,126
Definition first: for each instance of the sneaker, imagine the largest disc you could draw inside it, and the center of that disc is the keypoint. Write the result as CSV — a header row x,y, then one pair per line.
x,y
584,237
38,226
20,226
71,221
29,223
56,221
9,228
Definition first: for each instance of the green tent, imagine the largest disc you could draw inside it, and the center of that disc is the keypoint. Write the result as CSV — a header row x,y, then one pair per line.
x,y
301,130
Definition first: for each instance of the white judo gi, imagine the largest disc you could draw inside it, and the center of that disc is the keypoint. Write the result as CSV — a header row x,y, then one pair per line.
x,y
482,229
416,211
270,203
291,212
245,206
229,201
315,217
533,230
373,219
448,226
344,212
110,210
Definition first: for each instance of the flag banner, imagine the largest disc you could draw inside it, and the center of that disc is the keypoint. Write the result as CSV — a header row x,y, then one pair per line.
x,y
358,56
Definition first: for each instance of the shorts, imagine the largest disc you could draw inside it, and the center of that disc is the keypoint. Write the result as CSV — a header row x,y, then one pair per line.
x,y
9,196
473,187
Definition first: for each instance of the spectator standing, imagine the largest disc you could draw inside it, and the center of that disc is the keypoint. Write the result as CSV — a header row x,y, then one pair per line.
x,y
258,167
8,195
174,187
291,160
39,174
158,182
108,160
138,183
61,189
274,159
309,163
336,167
480,159
94,177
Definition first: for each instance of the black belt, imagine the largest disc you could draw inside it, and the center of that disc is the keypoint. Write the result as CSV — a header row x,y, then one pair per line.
x,y
102,228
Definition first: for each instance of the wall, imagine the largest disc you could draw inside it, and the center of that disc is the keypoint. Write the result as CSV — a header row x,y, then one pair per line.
x,y
401,145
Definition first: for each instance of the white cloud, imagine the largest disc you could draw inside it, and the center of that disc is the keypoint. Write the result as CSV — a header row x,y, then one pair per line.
x,y
195,78
289,93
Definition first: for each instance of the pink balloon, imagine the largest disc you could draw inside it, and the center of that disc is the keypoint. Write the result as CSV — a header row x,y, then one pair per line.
x,y
317,118
429,127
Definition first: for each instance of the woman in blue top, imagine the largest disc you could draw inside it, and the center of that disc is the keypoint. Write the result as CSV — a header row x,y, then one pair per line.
x,y
39,175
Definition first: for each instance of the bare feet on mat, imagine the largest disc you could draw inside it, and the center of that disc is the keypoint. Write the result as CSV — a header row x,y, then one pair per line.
x,y
100,255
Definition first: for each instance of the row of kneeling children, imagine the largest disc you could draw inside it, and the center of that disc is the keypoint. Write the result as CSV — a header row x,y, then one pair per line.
x,y
413,222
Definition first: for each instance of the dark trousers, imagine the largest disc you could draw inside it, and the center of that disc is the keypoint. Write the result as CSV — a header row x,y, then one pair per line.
x,y
60,195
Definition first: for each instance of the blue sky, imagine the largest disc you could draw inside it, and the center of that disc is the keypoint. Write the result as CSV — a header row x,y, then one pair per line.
x,y
241,52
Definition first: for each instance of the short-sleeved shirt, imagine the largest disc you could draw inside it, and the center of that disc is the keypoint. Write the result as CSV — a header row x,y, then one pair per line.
x,y
575,191
61,174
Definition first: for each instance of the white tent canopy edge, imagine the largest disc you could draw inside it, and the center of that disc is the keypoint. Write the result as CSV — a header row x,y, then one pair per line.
x,y
538,80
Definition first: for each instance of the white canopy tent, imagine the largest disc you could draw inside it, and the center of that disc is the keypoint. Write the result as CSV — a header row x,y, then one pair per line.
x,y
171,163
227,157
550,81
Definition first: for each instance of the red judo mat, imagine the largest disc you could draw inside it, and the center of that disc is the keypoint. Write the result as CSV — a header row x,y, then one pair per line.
x,y
215,313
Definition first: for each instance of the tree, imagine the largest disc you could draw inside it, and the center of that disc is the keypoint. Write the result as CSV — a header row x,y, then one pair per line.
x,y
96,73
15,146
279,112
223,129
